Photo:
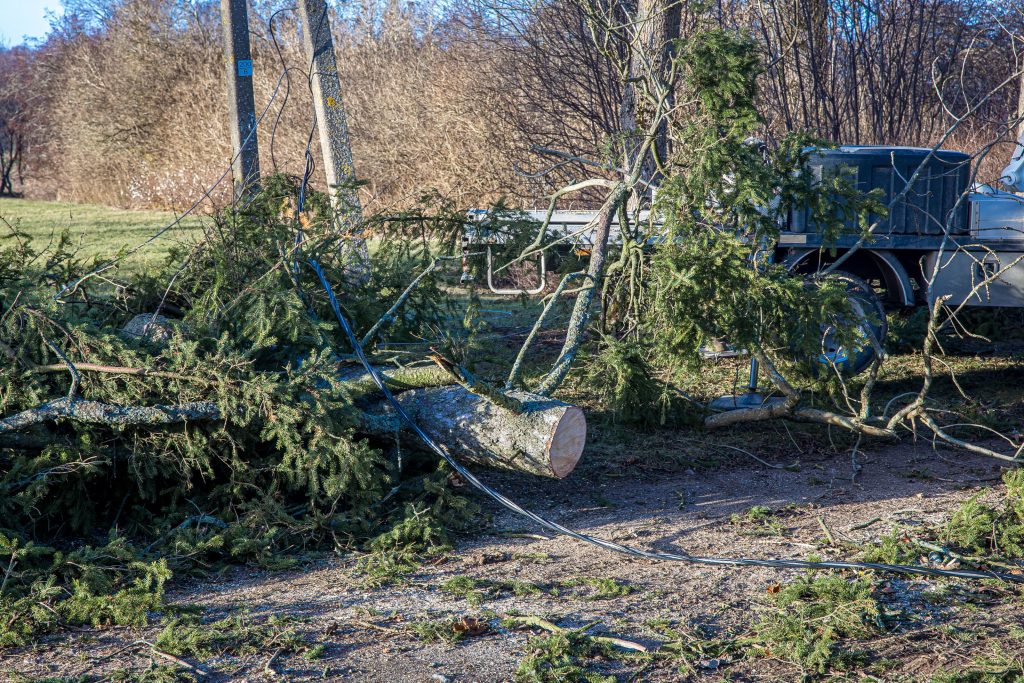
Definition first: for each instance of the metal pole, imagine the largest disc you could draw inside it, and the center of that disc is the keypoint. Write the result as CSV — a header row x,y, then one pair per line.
x,y
769,257
330,113
241,103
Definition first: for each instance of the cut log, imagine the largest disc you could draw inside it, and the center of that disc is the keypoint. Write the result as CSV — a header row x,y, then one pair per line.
x,y
545,438
150,327
512,430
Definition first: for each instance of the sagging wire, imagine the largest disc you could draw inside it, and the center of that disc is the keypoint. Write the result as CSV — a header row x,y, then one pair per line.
x,y
71,287
775,563
285,69
610,545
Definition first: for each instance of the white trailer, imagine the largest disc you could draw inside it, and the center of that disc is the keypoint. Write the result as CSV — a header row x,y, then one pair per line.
x,y
971,233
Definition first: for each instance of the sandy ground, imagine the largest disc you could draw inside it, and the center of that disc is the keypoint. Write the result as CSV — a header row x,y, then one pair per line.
x,y
366,630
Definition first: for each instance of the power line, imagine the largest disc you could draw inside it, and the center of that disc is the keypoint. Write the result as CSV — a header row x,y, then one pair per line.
x,y
506,502
71,287
610,545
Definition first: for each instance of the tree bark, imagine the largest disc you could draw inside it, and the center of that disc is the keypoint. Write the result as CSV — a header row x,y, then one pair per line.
x,y
580,316
545,438
95,412
657,25
360,385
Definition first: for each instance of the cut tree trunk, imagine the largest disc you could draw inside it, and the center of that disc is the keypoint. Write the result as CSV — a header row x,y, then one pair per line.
x,y
545,438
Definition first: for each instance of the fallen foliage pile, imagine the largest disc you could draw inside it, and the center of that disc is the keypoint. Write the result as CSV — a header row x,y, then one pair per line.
x,y
216,427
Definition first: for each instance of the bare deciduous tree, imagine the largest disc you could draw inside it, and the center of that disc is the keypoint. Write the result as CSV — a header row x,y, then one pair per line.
x,y
16,118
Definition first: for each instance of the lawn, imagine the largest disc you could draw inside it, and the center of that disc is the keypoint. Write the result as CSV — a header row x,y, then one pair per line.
x,y
97,230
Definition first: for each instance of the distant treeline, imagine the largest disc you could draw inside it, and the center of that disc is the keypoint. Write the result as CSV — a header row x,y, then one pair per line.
x,y
125,102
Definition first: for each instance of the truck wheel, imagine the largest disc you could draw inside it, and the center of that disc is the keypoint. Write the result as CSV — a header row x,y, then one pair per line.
x,y
854,359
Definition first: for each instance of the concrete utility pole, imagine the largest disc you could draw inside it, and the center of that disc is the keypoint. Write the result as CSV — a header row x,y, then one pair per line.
x,y
330,113
241,103
1020,109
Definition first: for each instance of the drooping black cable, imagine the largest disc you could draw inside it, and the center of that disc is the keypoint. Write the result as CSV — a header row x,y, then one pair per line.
x,y
288,81
70,287
610,545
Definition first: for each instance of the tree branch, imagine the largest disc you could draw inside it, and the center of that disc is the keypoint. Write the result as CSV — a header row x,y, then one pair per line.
x,y
95,412
389,316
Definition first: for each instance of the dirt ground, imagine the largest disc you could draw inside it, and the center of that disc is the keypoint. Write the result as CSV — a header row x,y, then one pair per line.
x,y
367,636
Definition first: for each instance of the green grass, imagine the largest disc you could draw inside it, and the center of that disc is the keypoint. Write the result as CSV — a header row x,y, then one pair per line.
x,y
98,230
601,588
760,520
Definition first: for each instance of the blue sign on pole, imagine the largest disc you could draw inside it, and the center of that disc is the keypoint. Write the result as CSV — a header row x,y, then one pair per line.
x,y
245,67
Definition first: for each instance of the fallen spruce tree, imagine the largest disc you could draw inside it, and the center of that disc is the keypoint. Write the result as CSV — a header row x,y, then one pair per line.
x,y
709,265
210,410
237,426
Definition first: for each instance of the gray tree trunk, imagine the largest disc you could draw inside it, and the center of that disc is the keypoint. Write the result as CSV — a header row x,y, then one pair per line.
x,y
657,26
545,438
332,125
331,121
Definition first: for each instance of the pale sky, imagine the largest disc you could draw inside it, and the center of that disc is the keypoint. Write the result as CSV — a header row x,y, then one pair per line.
x,y
21,19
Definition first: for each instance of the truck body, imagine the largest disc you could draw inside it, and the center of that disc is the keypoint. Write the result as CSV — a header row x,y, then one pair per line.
x,y
942,230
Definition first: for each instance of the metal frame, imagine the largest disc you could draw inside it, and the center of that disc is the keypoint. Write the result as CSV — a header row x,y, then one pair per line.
x,y
490,277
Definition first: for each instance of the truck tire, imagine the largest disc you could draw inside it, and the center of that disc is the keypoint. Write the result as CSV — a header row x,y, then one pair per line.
x,y
853,361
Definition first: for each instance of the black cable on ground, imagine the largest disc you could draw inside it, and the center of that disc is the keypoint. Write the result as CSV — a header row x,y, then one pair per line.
x,y
616,547
506,502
